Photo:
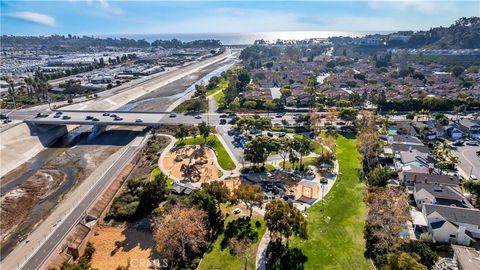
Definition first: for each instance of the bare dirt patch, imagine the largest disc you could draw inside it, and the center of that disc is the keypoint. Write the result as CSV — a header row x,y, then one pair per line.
x,y
192,162
135,247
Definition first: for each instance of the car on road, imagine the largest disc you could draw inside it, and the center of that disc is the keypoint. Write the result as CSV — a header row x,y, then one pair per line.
x,y
41,115
3,116
198,116
57,115
89,117
66,117
95,119
113,115
6,121
118,118
223,121
472,143
473,177
173,114
457,143
106,114
138,120
279,115
478,153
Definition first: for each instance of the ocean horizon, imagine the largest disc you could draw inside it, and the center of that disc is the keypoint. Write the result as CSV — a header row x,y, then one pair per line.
x,y
246,38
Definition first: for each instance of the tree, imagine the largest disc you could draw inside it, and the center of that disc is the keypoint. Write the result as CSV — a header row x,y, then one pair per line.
x,y
204,130
474,188
181,233
258,149
250,195
403,261
153,192
285,220
457,71
303,146
182,133
218,190
379,176
348,114
427,256
240,247
284,148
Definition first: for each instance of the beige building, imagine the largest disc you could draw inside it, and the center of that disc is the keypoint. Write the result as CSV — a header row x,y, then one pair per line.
x,y
307,190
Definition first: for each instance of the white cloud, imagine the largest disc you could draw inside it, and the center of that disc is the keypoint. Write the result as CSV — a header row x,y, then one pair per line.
x,y
33,17
109,8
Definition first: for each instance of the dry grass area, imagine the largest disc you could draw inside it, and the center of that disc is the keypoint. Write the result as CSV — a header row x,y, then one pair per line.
x,y
199,160
136,248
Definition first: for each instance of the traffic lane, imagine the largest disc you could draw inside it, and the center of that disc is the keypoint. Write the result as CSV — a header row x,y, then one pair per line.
x,y
468,159
61,231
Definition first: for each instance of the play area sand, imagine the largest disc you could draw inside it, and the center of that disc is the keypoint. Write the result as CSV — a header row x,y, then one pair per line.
x,y
192,162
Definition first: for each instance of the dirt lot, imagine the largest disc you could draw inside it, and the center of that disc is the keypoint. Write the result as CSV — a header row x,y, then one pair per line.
x,y
198,160
136,248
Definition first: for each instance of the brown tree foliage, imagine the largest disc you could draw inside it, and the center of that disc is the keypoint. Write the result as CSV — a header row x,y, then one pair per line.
x,y
387,215
181,232
250,195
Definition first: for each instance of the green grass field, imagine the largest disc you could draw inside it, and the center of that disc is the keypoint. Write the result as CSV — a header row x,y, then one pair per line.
x,y
224,159
335,235
222,85
156,172
219,258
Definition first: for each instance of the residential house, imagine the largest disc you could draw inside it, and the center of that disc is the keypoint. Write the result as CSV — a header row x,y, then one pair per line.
x,y
466,258
413,157
452,224
409,177
470,127
438,194
453,133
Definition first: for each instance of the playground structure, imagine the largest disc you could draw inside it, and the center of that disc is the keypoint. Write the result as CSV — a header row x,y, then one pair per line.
x,y
193,163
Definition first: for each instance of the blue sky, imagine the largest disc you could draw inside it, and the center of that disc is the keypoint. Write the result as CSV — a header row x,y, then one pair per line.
x,y
100,17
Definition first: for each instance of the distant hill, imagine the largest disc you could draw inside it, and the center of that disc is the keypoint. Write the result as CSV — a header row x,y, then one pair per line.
x,y
463,34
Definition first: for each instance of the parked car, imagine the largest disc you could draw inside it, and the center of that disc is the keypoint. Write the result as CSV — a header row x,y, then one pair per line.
x,y
473,177
223,121
282,134
458,143
198,116
66,117
57,116
236,211
173,114
223,116
472,143
3,116
269,134
232,114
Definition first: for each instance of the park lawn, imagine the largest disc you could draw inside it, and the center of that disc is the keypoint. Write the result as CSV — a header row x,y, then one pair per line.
x,y
219,98
306,161
156,172
335,236
224,159
317,148
220,86
217,258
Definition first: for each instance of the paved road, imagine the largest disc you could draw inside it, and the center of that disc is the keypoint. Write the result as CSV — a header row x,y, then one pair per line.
x,y
45,250
469,162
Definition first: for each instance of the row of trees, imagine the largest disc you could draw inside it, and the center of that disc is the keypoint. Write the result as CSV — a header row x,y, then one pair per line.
x,y
261,147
